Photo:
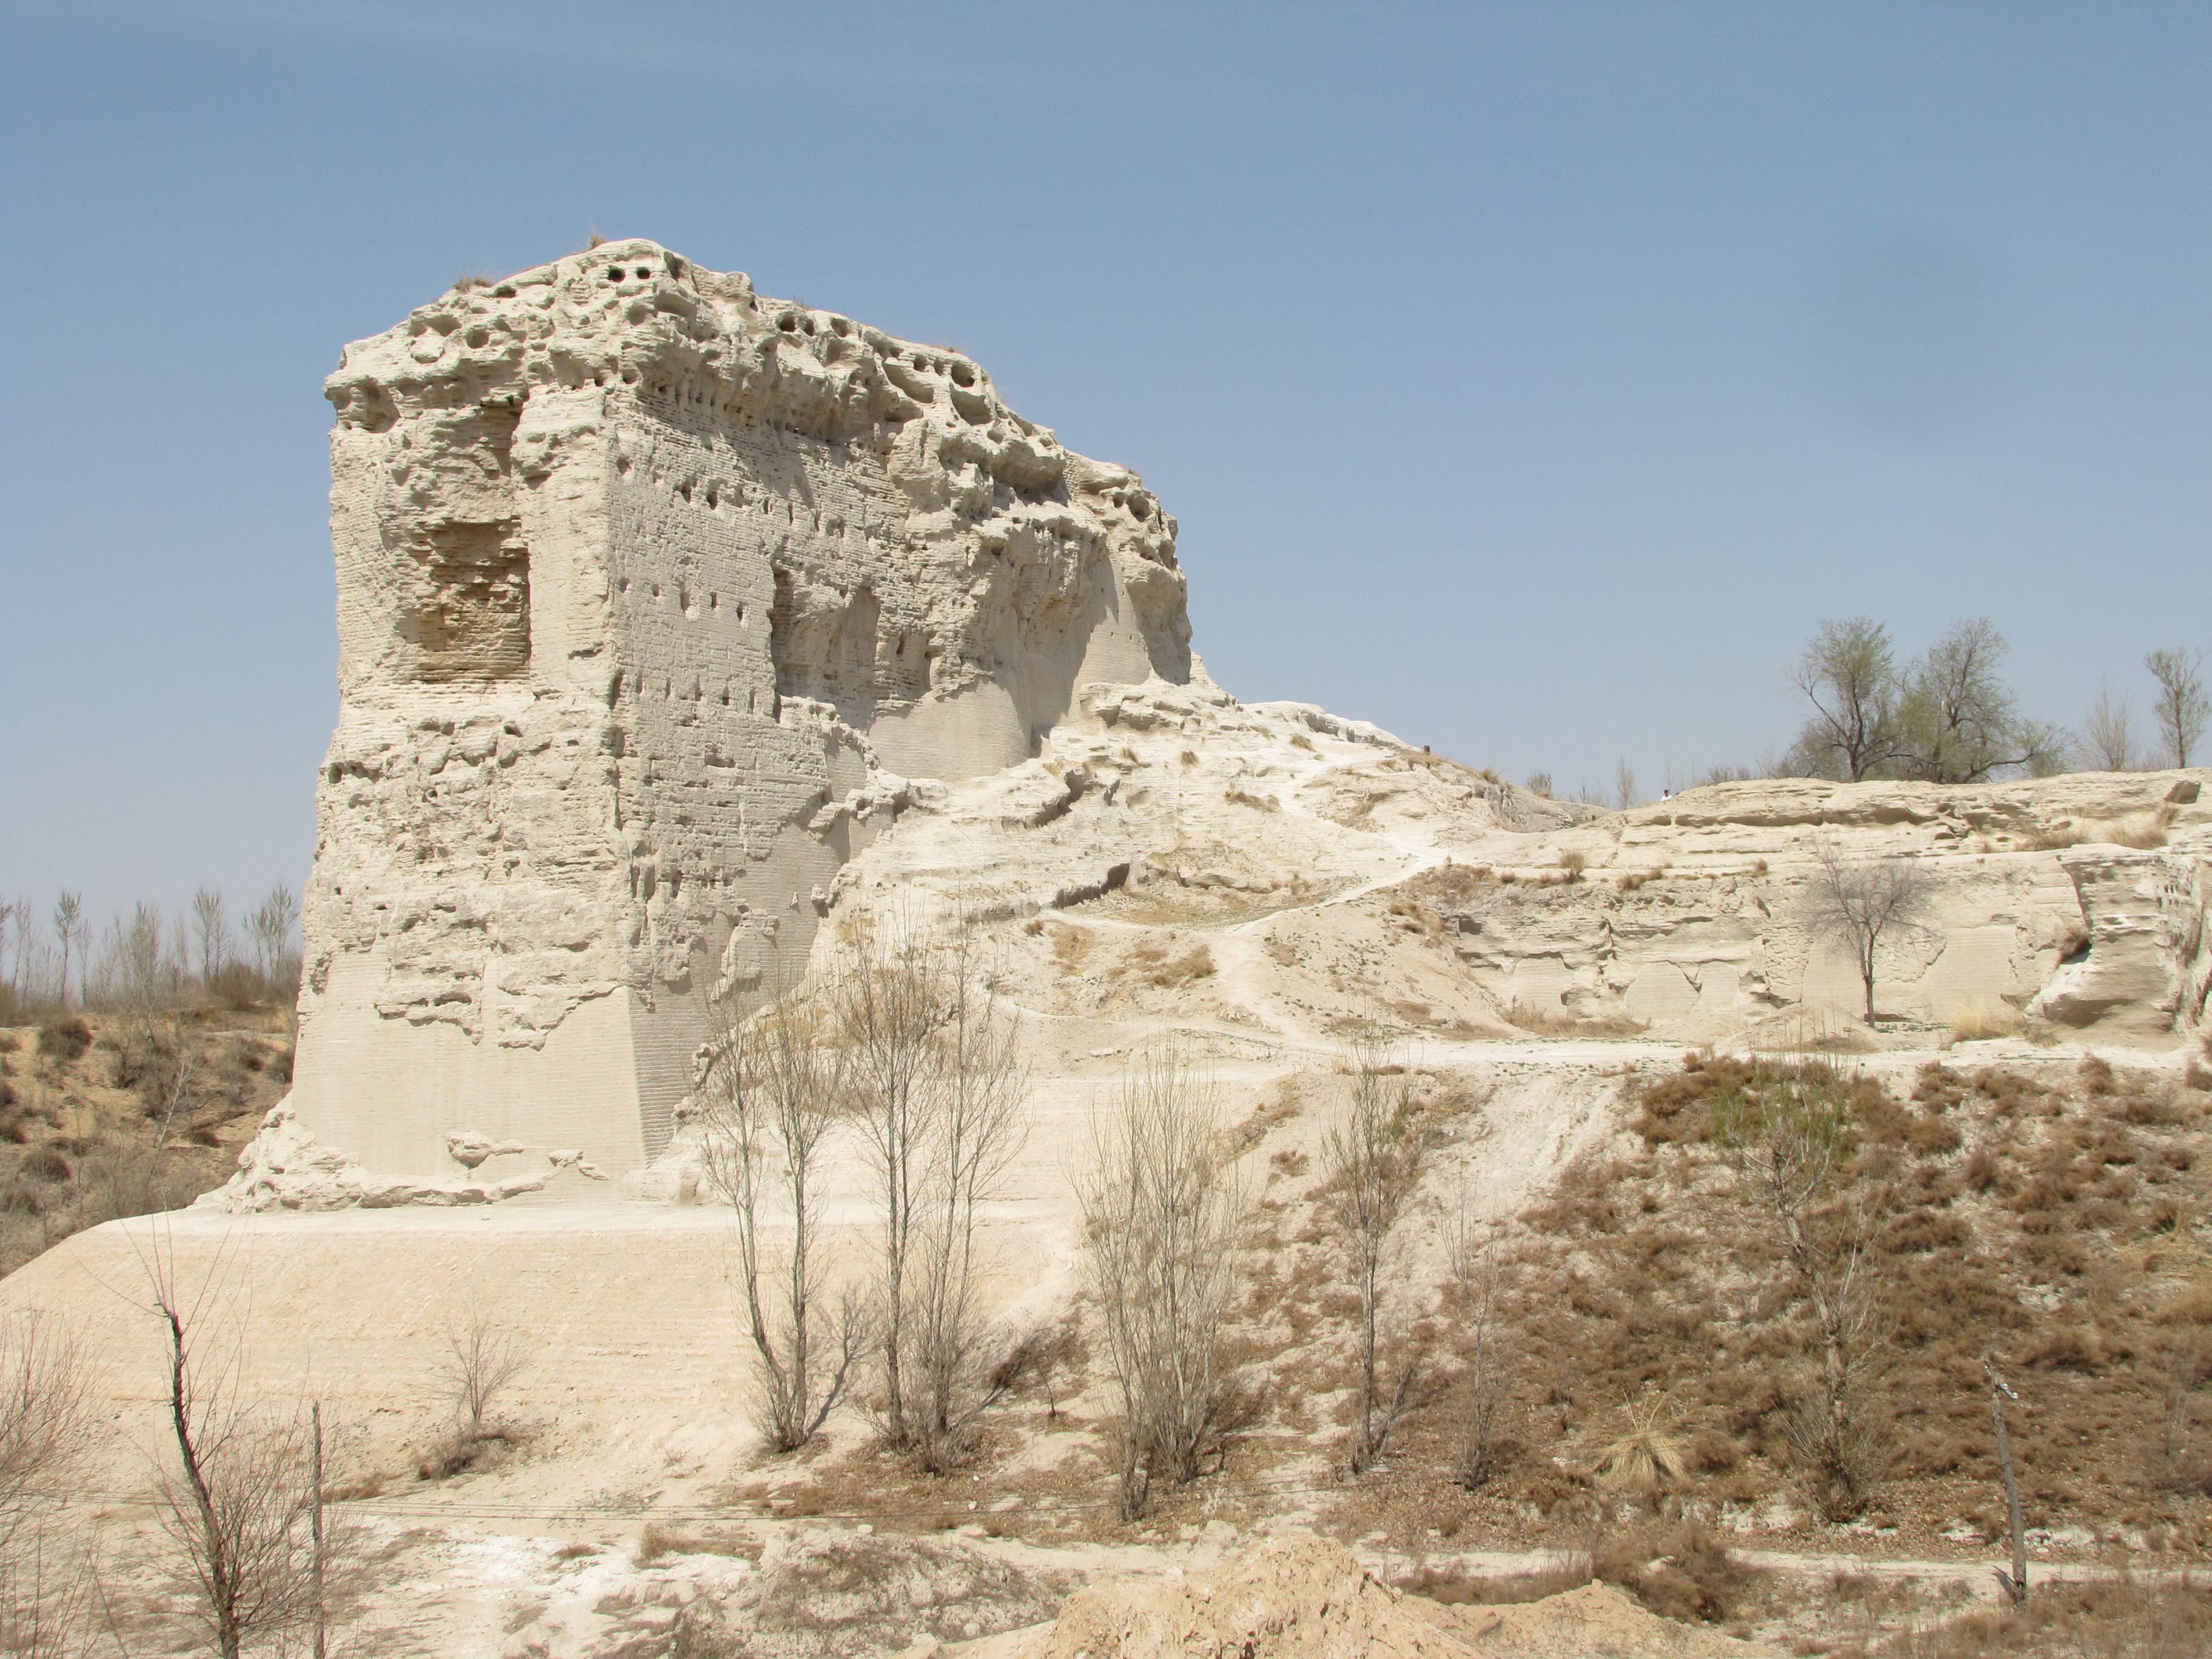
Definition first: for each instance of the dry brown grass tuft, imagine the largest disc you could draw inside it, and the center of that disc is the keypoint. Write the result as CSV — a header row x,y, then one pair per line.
x,y
1568,1023
1071,945
1979,1022
656,1542
2141,830
1157,963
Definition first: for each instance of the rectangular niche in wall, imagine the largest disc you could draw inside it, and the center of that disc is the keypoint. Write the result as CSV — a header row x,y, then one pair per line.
x,y
469,614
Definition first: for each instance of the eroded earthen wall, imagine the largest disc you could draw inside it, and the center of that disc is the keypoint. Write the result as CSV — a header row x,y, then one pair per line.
x,y
652,593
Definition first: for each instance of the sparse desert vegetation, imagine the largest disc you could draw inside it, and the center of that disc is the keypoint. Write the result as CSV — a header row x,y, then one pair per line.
x,y
140,1064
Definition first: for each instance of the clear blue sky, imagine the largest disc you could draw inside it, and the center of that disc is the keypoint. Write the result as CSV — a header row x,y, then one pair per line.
x,y
1526,377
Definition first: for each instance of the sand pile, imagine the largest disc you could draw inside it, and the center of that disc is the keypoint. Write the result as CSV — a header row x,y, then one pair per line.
x,y
1297,1596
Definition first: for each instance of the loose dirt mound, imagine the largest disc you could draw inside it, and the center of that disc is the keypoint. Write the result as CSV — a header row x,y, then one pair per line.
x,y
1302,1597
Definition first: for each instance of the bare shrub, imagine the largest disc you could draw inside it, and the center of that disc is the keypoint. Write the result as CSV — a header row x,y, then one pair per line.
x,y
773,1089
240,1507
2182,1366
1161,1209
2121,1619
2107,742
2181,705
64,1038
1158,965
482,1361
657,1542
1858,903
44,1417
1371,1157
1485,1416
1790,1139
963,1363
2141,830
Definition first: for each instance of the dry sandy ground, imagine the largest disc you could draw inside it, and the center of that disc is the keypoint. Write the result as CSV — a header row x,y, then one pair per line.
x,y
633,1406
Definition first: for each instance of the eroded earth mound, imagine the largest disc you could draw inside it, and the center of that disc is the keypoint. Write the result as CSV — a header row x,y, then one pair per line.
x,y
1296,1596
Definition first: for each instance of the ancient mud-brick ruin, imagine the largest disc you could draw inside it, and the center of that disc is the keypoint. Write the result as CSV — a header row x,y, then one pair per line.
x,y
651,594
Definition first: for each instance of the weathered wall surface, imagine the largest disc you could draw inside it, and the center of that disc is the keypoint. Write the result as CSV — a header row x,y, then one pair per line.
x,y
1691,916
651,592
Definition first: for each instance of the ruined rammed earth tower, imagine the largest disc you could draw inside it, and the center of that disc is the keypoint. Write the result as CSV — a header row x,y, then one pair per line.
x,y
652,592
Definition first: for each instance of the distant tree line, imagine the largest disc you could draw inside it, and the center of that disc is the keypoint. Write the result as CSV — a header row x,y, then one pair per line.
x,y
52,959
1950,715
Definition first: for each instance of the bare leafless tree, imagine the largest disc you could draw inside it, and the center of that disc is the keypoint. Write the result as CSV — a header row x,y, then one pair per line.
x,y
210,926
775,1085
934,1084
25,943
2181,705
238,1502
1859,902
270,931
1163,1207
2108,742
975,1132
483,1359
44,1417
889,1001
1371,1157
69,927
1486,1403
1791,1140
49,1601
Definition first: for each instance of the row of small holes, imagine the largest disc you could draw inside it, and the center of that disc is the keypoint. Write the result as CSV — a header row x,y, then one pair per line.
x,y
714,600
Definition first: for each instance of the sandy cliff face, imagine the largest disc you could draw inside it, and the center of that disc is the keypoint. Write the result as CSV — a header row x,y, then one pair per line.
x,y
1327,879
651,592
